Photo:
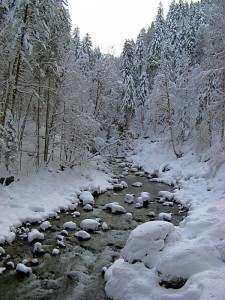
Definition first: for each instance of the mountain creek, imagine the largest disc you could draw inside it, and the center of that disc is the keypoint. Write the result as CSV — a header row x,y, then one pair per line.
x,y
76,272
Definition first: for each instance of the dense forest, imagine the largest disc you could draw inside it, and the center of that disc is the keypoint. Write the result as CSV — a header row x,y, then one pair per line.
x,y
63,100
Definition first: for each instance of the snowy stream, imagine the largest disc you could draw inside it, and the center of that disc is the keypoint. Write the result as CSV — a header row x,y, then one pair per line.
x,y
75,273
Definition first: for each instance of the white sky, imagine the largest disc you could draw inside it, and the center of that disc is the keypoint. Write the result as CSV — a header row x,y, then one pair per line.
x,y
110,22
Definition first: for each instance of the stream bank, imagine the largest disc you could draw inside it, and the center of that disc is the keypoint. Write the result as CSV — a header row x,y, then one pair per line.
x,y
76,272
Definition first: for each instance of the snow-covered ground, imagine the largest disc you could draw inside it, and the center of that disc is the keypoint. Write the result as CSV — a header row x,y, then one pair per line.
x,y
156,251
194,251
40,195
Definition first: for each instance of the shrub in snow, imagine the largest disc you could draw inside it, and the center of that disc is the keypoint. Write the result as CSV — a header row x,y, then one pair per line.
x,y
82,235
55,252
180,263
137,184
87,207
129,198
38,248
70,225
35,235
146,241
89,224
87,198
45,225
23,270
165,216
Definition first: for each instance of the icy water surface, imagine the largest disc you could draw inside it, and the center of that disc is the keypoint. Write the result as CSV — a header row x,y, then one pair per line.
x,y
76,272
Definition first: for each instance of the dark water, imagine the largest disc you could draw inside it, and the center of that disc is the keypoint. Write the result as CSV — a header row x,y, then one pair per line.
x,y
76,272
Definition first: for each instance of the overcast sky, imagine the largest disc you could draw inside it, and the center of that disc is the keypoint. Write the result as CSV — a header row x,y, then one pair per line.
x,y
110,22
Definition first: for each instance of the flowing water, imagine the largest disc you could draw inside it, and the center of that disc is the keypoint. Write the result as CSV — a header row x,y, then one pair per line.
x,y
76,272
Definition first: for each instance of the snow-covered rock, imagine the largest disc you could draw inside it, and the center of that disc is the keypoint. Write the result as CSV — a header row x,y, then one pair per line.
x,y
23,270
2,251
45,225
129,198
89,224
60,244
104,226
145,196
35,235
83,235
70,225
137,184
88,207
166,195
138,205
87,198
146,241
128,216
118,186
38,248
165,216
115,207
124,184
55,252
167,203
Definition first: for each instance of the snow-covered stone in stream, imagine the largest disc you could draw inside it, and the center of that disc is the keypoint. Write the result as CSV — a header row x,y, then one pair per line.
x,y
87,207
2,270
94,189
70,225
87,198
166,195
60,244
83,235
146,241
64,232
118,186
168,203
23,270
38,248
55,252
138,205
133,169
165,216
45,225
73,206
34,262
129,198
137,184
139,173
118,209
25,261
76,214
89,224
151,214
124,184
145,196
109,205
105,226
35,235
128,216
10,265
2,251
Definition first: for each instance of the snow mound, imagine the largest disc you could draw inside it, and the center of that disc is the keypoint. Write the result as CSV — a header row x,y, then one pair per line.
x,y
187,260
22,269
145,242
89,224
83,235
87,198
137,184
115,207
35,235
38,248
129,198
45,225
70,225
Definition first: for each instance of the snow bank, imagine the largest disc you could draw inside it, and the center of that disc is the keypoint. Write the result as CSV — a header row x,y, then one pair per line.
x,y
193,252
